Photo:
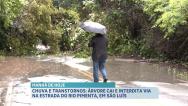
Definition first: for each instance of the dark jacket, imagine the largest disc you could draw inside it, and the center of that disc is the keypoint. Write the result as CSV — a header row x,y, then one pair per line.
x,y
99,44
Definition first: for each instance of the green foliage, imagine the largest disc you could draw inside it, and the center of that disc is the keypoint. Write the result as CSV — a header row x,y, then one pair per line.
x,y
67,27
81,41
167,14
135,27
35,22
9,11
89,4
18,45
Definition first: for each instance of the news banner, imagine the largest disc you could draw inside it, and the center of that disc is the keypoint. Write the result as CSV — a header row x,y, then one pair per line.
x,y
90,90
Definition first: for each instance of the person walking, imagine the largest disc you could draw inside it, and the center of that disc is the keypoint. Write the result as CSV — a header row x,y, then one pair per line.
x,y
99,45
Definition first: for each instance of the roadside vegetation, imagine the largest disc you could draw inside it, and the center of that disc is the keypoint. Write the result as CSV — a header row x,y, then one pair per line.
x,y
143,28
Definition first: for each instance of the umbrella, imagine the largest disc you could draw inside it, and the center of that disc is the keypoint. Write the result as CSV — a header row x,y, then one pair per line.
x,y
95,27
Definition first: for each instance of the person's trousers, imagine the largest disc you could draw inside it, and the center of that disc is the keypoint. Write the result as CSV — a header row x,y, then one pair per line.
x,y
99,65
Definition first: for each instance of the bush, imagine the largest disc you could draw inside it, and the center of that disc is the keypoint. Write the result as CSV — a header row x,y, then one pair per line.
x,y
19,45
81,41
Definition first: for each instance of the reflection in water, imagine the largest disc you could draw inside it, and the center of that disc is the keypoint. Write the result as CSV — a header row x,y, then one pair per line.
x,y
20,67
129,71
182,75
142,71
122,71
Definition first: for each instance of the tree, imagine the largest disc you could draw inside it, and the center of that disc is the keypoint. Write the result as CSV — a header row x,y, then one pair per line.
x,y
9,10
166,14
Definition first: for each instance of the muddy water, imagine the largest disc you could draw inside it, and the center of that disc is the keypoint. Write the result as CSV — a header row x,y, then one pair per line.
x,y
171,81
165,77
130,70
145,72
21,68
118,69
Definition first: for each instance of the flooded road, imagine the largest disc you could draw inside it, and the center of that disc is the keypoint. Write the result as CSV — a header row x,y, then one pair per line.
x,y
171,81
130,70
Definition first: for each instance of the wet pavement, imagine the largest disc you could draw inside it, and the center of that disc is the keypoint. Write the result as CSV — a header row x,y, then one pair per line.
x,y
17,72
